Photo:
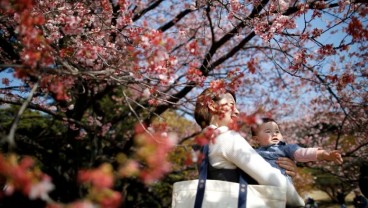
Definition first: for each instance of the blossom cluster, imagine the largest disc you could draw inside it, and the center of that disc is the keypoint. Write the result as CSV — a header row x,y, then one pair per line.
x,y
195,75
266,30
153,146
235,79
100,181
22,175
84,39
300,58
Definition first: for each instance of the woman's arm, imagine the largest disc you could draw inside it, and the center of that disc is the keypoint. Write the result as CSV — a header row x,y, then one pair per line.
x,y
234,148
243,156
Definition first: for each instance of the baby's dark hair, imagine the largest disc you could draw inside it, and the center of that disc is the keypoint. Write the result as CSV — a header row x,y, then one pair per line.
x,y
254,128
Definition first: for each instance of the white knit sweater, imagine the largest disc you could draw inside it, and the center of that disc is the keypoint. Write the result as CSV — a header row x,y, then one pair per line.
x,y
230,150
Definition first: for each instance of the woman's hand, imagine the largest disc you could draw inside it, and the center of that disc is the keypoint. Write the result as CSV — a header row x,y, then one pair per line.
x,y
288,164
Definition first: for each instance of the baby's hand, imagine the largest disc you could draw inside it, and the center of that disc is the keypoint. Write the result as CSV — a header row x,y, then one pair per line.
x,y
334,156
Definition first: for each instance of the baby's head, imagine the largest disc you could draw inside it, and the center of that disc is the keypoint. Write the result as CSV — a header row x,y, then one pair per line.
x,y
266,133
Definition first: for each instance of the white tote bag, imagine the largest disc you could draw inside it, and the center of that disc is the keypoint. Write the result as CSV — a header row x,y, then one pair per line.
x,y
223,194
205,193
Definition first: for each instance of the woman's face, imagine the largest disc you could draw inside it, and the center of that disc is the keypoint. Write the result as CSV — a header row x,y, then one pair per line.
x,y
225,110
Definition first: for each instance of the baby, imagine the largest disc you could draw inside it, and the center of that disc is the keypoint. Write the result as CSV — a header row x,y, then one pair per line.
x,y
271,146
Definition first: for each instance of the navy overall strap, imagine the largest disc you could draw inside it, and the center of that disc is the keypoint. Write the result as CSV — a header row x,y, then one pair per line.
x,y
203,169
243,187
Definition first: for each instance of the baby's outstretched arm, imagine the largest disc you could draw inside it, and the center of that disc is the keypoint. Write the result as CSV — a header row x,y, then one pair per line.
x,y
334,156
317,154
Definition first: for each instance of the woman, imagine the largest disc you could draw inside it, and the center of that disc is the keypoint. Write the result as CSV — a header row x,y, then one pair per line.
x,y
230,150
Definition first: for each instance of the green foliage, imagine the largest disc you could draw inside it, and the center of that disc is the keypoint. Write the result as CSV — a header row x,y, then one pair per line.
x,y
32,123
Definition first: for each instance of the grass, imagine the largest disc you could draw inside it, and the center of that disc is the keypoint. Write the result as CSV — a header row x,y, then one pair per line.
x,y
324,200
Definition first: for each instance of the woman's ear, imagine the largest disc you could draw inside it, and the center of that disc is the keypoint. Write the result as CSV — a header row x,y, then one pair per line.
x,y
212,106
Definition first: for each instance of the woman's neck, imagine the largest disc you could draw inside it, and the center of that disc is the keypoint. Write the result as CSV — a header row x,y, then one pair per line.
x,y
215,122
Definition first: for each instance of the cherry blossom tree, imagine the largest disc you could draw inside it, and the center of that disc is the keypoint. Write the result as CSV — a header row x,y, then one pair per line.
x,y
102,73
323,130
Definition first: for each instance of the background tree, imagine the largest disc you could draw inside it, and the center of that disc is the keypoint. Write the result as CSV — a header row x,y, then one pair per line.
x,y
100,73
323,130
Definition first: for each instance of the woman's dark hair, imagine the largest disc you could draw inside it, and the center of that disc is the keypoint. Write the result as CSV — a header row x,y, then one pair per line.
x,y
202,113
254,128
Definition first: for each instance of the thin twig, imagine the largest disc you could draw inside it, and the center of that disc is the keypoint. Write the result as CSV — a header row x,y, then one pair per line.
x,y
10,137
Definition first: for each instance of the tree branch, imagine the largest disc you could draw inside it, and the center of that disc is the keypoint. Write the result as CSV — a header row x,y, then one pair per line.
x,y
176,19
144,11
10,137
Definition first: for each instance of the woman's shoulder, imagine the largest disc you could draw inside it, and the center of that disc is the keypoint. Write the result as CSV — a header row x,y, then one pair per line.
x,y
230,137
223,134
224,130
